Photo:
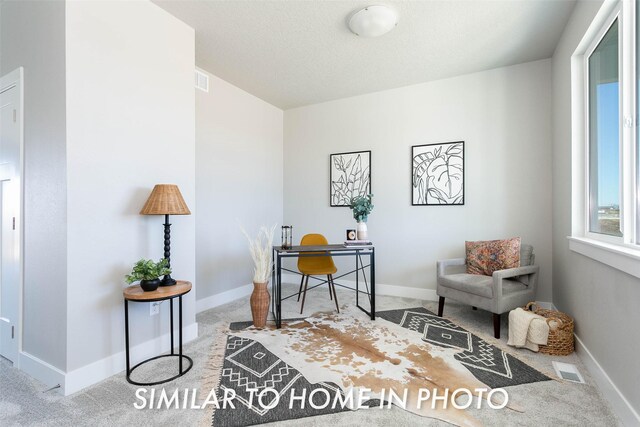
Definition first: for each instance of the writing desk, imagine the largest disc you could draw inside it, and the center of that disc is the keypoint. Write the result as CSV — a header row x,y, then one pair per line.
x,y
357,252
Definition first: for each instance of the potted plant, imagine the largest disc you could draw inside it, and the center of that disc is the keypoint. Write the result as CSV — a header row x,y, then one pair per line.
x,y
261,252
361,207
148,273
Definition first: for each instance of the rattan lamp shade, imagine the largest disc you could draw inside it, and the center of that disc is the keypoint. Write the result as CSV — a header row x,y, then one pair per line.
x,y
165,199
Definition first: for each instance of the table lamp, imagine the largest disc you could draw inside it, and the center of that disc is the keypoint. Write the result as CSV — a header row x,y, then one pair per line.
x,y
165,199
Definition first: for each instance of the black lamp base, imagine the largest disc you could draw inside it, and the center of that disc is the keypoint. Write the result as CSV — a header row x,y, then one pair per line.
x,y
168,281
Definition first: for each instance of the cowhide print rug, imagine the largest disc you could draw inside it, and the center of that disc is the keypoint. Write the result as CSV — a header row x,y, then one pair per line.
x,y
355,353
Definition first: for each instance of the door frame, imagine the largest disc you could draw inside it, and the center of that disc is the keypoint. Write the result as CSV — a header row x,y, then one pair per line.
x,y
16,79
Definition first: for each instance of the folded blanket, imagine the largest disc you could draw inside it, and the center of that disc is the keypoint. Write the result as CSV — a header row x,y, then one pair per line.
x,y
527,329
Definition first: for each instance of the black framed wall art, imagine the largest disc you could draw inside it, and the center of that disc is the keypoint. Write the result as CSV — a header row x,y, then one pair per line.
x,y
437,174
350,176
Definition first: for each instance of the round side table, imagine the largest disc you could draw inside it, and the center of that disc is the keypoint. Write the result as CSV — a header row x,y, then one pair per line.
x,y
163,293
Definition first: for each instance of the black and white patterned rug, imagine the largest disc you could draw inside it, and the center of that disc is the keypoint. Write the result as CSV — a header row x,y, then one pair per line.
x,y
248,365
488,363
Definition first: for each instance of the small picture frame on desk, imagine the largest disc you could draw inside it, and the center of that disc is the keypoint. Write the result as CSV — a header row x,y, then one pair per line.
x,y
351,234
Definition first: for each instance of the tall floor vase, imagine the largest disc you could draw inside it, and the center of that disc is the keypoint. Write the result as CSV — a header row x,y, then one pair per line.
x,y
259,304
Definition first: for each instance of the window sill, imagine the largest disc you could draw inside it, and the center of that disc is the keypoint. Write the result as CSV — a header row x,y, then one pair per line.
x,y
619,257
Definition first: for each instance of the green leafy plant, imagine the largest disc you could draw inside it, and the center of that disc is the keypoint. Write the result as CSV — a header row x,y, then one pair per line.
x,y
361,207
146,269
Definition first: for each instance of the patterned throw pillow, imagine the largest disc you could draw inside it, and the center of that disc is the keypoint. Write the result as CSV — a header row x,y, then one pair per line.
x,y
485,257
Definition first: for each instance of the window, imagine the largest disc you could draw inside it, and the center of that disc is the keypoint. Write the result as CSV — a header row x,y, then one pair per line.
x,y
637,119
606,149
609,210
603,135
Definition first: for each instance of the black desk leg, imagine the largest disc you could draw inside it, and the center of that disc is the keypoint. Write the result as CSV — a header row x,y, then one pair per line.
x,y
273,285
180,331
171,309
373,283
126,335
279,292
357,279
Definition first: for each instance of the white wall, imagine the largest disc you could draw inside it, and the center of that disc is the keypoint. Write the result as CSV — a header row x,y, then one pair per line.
x,y
130,125
32,35
602,300
503,117
238,182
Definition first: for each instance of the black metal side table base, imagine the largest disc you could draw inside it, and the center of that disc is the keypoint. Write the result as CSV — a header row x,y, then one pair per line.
x,y
135,293
190,365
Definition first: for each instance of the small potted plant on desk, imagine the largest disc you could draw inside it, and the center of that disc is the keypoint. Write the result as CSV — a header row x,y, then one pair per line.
x,y
361,207
148,273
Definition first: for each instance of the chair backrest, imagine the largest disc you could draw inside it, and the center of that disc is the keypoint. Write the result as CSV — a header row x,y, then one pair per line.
x,y
313,239
527,257
315,264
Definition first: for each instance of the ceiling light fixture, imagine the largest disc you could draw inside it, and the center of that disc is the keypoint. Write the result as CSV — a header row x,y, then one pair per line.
x,y
373,21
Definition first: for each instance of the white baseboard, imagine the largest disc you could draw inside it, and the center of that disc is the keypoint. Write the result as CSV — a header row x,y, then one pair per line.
x,y
95,372
223,298
102,369
47,374
397,291
620,405
381,288
405,292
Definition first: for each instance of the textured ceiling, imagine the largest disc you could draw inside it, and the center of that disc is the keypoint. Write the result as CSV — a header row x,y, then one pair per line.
x,y
293,53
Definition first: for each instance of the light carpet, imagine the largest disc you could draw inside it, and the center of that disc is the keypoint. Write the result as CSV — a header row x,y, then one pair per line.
x,y
23,400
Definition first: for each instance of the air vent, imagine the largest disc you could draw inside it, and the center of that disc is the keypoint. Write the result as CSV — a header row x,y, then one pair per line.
x,y
568,372
202,81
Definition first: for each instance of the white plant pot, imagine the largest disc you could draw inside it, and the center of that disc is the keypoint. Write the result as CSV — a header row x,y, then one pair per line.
x,y
361,231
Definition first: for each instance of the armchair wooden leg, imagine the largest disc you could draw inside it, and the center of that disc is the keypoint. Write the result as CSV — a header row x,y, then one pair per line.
x,y
304,293
300,290
329,283
335,296
496,325
440,306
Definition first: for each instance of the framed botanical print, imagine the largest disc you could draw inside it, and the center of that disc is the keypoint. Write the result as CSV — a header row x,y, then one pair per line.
x,y
437,174
350,176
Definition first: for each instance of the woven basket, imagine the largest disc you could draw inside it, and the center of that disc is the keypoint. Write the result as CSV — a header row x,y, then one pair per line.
x,y
560,342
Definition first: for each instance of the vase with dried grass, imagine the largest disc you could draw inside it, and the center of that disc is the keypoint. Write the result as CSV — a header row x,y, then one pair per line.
x,y
261,253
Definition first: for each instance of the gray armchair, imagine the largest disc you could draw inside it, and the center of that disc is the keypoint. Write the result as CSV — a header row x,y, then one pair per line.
x,y
506,290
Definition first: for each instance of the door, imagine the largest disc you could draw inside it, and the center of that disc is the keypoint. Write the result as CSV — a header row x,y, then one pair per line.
x,y
10,204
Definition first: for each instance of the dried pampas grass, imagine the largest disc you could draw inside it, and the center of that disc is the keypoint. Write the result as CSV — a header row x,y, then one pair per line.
x,y
261,249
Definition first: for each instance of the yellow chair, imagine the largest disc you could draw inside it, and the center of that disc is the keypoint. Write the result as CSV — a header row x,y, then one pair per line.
x,y
314,266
